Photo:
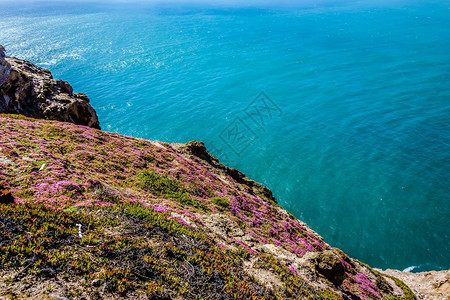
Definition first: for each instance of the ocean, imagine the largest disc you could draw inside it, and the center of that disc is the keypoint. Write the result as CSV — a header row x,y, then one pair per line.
x,y
341,109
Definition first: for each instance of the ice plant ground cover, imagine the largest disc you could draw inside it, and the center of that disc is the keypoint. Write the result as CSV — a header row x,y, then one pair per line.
x,y
98,214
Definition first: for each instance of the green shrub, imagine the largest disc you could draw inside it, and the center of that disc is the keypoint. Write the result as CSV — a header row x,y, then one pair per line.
x,y
47,89
159,184
186,199
408,294
221,201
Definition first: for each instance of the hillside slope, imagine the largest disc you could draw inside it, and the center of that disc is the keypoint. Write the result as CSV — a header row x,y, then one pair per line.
x,y
101,215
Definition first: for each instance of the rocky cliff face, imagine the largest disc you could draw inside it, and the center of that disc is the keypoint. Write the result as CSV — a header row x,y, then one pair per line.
x,y
31,91
433,285
5,67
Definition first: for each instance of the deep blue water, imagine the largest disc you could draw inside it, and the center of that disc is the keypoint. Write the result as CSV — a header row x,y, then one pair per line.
x,y
342,110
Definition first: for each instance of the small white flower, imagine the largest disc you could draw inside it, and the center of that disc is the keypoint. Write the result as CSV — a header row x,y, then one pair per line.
x,y
80,234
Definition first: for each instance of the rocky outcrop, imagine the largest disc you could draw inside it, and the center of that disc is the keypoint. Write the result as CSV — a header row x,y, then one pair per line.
x,y
31,91
327,264
433,285
5,67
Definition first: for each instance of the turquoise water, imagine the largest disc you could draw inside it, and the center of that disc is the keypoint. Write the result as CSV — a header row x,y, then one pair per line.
x,y
342,110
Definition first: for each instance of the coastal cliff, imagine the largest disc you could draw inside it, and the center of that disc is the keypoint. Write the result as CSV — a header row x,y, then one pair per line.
x,y
31,91
100,214
87,214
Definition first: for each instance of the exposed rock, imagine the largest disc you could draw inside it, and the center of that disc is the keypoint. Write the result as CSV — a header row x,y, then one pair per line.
x,y
222,225
5,67
31,91
266,277
431,285
327,264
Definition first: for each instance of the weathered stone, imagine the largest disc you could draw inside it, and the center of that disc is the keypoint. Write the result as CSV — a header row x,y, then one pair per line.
x,y
327,264
5,67
31,91
432,285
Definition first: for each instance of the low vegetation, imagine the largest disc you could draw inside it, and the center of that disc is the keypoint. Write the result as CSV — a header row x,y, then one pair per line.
x,y
97,215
